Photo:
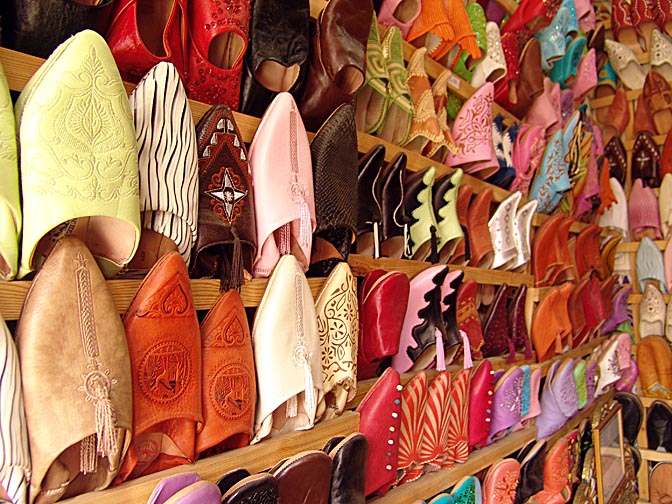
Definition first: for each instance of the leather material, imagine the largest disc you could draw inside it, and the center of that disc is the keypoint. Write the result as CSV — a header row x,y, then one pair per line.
x,y
616,216
90,382
481,393
282,176
462,253
216,82
395,221
632,411
619,312
134,54
659,427
643,212
51,111
228,378
609,370
423,333
338,328
452,340
37,28
413,406
449,231
577,313
165,348
420,212
304,478
15,468
227,239
652,312
552,416
496,328
456,450
521,233
547,330
291,351
665,199
527,151
480,244
467,490
564,389
659,482
629,376
501,226
625,64
390,15
614,151
467,317
337,59
383,298
169,486
535,406
520,338
650,266
278,42
201,492
334,157
10,209
531,478
369,200
259,488
507,403
560,467
655,370
553,179
349,470
492,67
501,481
588,257
657,96
435,424
379,421
161,110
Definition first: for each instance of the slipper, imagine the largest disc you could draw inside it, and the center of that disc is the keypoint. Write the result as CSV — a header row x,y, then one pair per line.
x,y
657,95
625,64
10,204
531,82
373,99
501,226
399,13
291,351
80,449
304,477
333,151
492,67
338,329
521,234
564,70
650,265
652,312
369,199
420,212
164,344
413,407
435,422
164,132
229,390
527,152
661,54
665,205
552,38
433,150
553,179
15,469
623,26
227,238
457,439
643,212
586,76
282,177
481,390
445,209
78,178
395,230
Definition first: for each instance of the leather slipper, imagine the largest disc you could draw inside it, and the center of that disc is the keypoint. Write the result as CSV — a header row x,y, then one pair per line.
x,y
78,177
80,448
165,347
305,477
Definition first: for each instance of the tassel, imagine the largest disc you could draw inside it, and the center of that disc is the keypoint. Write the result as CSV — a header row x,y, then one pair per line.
x,y
87,455
440,352
106,427
306,230
468,362
284,247
235,277
292,407
311,400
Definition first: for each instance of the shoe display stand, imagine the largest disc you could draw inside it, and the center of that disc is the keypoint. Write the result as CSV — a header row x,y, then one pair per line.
x,y
20,67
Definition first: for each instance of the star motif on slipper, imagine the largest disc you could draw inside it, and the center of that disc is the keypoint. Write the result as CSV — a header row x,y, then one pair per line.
x,y
227,194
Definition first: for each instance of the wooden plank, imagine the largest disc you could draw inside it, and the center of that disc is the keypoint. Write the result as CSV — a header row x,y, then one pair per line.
x,y
205,293
361,265
254,458
436,482
632,247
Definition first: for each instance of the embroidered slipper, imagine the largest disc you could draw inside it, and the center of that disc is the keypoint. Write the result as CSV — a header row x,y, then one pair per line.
x,y
445,209
291,351
78,177
282,176
227,238
229,390
373,99
507,403
646,159
652,311
81,448
15,469
168,163
338,329
10,206
164,343
422,226
492,67
438,151
650,266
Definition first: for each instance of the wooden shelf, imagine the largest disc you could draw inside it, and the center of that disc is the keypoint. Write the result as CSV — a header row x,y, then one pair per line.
x,y
255,458
436,482
632,247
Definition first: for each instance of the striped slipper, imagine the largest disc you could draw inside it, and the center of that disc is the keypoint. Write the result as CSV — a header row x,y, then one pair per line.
x,y
168,164
15,459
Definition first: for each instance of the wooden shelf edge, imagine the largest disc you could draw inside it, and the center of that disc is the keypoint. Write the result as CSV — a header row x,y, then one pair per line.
x,y
632,247
205,293
436,482
361,265
254,458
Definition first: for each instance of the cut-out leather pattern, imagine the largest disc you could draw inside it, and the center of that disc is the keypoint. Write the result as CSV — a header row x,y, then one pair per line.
x,y
230,391
165,371
171,300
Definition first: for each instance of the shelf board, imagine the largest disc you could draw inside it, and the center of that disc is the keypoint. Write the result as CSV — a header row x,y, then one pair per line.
x,y
436,482
362,264
632,247
205,293
254,458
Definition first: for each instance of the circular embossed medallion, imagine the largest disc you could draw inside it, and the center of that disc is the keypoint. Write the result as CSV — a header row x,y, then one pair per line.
x,y
230,391
165,371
